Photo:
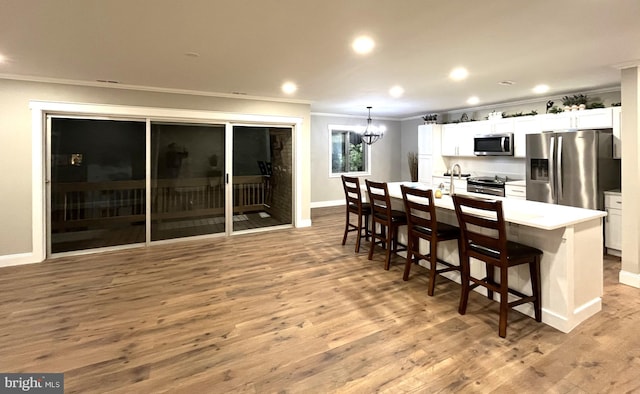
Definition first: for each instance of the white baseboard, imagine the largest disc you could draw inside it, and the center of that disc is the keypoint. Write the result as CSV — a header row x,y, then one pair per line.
x,y
629,279
324,204
18,259
303,223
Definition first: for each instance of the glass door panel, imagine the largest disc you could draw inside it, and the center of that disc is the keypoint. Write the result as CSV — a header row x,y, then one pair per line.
x,y
97,193
262,177
187,180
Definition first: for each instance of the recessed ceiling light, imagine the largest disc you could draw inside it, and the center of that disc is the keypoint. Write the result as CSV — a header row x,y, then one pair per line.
x,y
473,100
542,88
506,83
289,87
458,74
396,91
2,58
363,45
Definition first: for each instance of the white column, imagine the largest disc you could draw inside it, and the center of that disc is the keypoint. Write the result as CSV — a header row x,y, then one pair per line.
x,y
630,92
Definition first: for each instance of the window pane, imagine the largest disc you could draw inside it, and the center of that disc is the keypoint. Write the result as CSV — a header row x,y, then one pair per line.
x,y
187,187
97,183
348,153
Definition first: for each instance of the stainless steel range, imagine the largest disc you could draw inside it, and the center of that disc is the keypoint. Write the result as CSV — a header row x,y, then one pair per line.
x,y
486,185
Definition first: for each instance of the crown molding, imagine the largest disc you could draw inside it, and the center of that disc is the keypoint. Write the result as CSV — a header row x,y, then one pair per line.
x,y
111,85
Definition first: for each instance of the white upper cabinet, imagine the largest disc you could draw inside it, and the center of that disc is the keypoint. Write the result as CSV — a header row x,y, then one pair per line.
x,y
500,126
617,132
585,119
521,127
494,126
457,139
425,138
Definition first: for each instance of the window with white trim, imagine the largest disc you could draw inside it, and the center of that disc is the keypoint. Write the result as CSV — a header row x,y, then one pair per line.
x,y
349,155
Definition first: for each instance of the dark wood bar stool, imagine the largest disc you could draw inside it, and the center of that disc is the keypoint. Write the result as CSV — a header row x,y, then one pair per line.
x,y
355,206
422,223
484,237
389,220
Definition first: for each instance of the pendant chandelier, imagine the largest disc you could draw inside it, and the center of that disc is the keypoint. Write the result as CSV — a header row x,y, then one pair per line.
x,y
371,133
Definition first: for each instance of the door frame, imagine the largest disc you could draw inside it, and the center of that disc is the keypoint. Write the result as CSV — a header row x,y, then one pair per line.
x,y
40,110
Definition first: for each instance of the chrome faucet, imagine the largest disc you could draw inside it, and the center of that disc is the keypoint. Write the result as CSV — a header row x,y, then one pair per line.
x,y
452,188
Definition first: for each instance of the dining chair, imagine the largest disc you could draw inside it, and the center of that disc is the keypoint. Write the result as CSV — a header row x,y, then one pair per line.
x,y
484,237
422,223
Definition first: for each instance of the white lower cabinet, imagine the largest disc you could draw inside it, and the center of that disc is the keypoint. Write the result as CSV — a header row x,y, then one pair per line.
x,y
613,223
425,169
517,192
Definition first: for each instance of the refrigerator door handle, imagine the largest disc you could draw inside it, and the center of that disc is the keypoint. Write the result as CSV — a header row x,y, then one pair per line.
x,y
552,168
503,143
559,168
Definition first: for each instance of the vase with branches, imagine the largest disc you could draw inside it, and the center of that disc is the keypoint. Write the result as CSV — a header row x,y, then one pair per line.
x,y
413,165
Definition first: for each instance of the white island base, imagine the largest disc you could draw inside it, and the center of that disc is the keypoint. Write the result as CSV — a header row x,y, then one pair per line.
x,y
571,266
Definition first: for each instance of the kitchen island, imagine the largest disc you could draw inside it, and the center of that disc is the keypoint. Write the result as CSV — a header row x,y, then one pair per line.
x,y
571,266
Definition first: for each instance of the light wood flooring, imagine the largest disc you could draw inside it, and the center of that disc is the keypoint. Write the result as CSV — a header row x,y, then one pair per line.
x,y
293,311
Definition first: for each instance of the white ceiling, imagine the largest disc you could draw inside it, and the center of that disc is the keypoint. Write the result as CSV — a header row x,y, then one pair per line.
x,y
253,46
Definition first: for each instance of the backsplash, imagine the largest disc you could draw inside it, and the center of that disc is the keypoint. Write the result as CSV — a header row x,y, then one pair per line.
x,y
512,168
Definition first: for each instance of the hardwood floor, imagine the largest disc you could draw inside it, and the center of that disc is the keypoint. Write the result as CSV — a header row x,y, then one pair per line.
x,y
293,311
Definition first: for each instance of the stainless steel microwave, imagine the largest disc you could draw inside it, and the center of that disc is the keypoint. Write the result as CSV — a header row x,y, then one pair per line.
x,y
493,144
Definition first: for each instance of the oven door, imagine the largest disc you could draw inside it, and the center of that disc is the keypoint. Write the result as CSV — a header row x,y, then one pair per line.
x,y
493,145
482,189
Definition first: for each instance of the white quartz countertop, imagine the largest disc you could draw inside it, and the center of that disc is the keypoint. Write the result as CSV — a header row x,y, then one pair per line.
x,y
516,183
527,213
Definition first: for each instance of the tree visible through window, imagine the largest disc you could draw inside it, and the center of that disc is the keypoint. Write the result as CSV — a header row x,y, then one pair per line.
x,y
348,153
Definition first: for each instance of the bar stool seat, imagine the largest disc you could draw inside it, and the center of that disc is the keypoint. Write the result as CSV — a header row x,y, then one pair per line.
x,y
355,206
422,223
484,237
388,220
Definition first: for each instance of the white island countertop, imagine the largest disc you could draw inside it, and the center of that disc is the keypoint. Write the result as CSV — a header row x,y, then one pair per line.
x,y
527,213
571,240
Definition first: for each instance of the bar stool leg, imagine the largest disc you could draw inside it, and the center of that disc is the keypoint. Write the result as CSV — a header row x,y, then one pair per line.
x,y
534,272
359,235
407,266
504,301
346,228
390,247
433,257
464,279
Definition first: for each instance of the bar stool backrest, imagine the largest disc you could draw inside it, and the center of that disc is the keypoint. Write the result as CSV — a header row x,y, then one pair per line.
x,y
482,228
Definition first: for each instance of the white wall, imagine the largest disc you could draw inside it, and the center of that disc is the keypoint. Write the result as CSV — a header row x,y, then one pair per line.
x,y
385,157
15,138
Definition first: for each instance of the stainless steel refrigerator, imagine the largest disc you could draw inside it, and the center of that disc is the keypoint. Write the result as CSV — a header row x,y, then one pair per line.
x,y
571,168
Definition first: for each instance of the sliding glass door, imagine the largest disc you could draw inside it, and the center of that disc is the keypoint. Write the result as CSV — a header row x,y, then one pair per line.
x,y
262,177
97,183
187,180
122,182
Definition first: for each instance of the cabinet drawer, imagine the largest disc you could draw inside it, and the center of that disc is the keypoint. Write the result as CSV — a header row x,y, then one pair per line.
x,y
613,201
515,191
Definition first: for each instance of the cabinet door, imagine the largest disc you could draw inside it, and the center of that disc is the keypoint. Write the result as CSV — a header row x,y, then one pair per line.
x,y
465,140
449,144
425,169
562,121
521,127
613,229
424,139
594,118
502,126
617,132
